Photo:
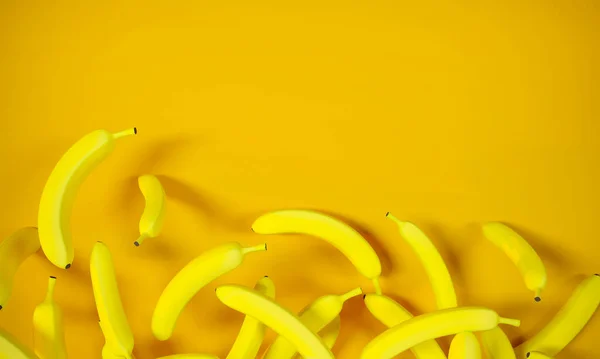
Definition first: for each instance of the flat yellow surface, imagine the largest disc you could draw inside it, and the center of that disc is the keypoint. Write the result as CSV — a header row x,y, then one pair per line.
x,y
446,113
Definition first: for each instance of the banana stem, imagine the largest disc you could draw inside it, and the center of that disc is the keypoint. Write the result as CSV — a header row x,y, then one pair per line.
x,y
537,295
260,247
128,132
393,218
353,293
141,239
377,285
50,291
509,321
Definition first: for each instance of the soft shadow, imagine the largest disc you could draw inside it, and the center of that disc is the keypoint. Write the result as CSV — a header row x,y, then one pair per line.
x,y
160,152
160,248
546,252
154,349
356,316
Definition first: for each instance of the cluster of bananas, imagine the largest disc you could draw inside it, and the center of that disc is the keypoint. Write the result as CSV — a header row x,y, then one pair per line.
x,y
312,332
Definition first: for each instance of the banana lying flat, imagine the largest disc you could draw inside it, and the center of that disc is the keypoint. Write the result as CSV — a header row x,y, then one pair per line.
x,y
537,355
48,328
464,346
61,188
331,332
391,313
13,251
108,351
194,276
567,323
345,238
521,253
10,348
496,344
152,219
432,325
281,320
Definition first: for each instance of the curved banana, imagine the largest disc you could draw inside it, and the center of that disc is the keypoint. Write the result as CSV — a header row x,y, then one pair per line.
x,y
438,274
496,344
190,356
48,329
343,237
281,320
391,313
521,253
464,346
330,333
537,355
152,219
190,279
13,251
568,322
10,348
61,188
113,320
432,325
315,317
111,342
251,335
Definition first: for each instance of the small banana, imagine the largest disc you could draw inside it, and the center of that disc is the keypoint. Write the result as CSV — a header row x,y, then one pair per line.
x,y
190,356
315,317
464,346
10,348
13,251
521,253
190,279
281,320
496,344
568,322
432,325
48,333
345,238
391,313
153,217
435,267
537,355
61,189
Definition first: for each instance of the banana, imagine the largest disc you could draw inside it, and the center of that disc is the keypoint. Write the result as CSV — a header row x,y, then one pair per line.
x,y
315,317
568,322
435,267
61,189
194,276
153,217
281,320
345,238
330,333
464,346
432,325
391,313
537,355
48,334
190,356
10,348
521,253
110,343
108,302
13,251
252,332
496,344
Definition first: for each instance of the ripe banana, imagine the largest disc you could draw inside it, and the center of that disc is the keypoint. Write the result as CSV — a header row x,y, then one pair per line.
x,y
61,188
281,320
252,332
110,343
13,251
345,238
464,346
435,267
329,334
537,355
391,313
432,325
521,253
190,356
315,317
153,217
10,348
496,344
194,276
568,322
48,334
108,302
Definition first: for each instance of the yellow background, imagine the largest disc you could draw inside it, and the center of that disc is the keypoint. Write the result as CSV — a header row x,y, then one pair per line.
x,y
446,113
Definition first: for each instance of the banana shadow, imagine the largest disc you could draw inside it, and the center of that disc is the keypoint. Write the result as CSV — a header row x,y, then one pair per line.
x,y
153,348
355,316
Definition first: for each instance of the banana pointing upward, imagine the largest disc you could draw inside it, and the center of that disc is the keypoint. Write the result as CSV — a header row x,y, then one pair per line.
x,y
61,188
537,355
281,320
496,344
13,251
10,348
152,219
48,334
520,253
343,237
568,322
190,279
464,346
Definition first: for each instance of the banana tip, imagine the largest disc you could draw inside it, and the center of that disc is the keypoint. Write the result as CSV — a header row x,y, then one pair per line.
x,y
598,275
265,246
53,277
0,307
364,296
537,299
387,214
136,243
68,266
527,356
135,130
266,276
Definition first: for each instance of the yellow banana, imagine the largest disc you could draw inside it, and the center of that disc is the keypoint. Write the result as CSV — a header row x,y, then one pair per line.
x,y
345,238
110,343
537,355
252,332
330,333
568,322
496,344
113,320
432,325
190,356
10,348
13,251
435,267
521,253
48,333
61,188
194,276
315,317
391,313
281,320
153,217
464,346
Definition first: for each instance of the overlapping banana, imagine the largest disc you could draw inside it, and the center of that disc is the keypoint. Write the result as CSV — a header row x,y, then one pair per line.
x,y
13,251
190,279
464,346
61,188
496,344
345,238
10,348
190,356
330,333
152,219
537,355
48,329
